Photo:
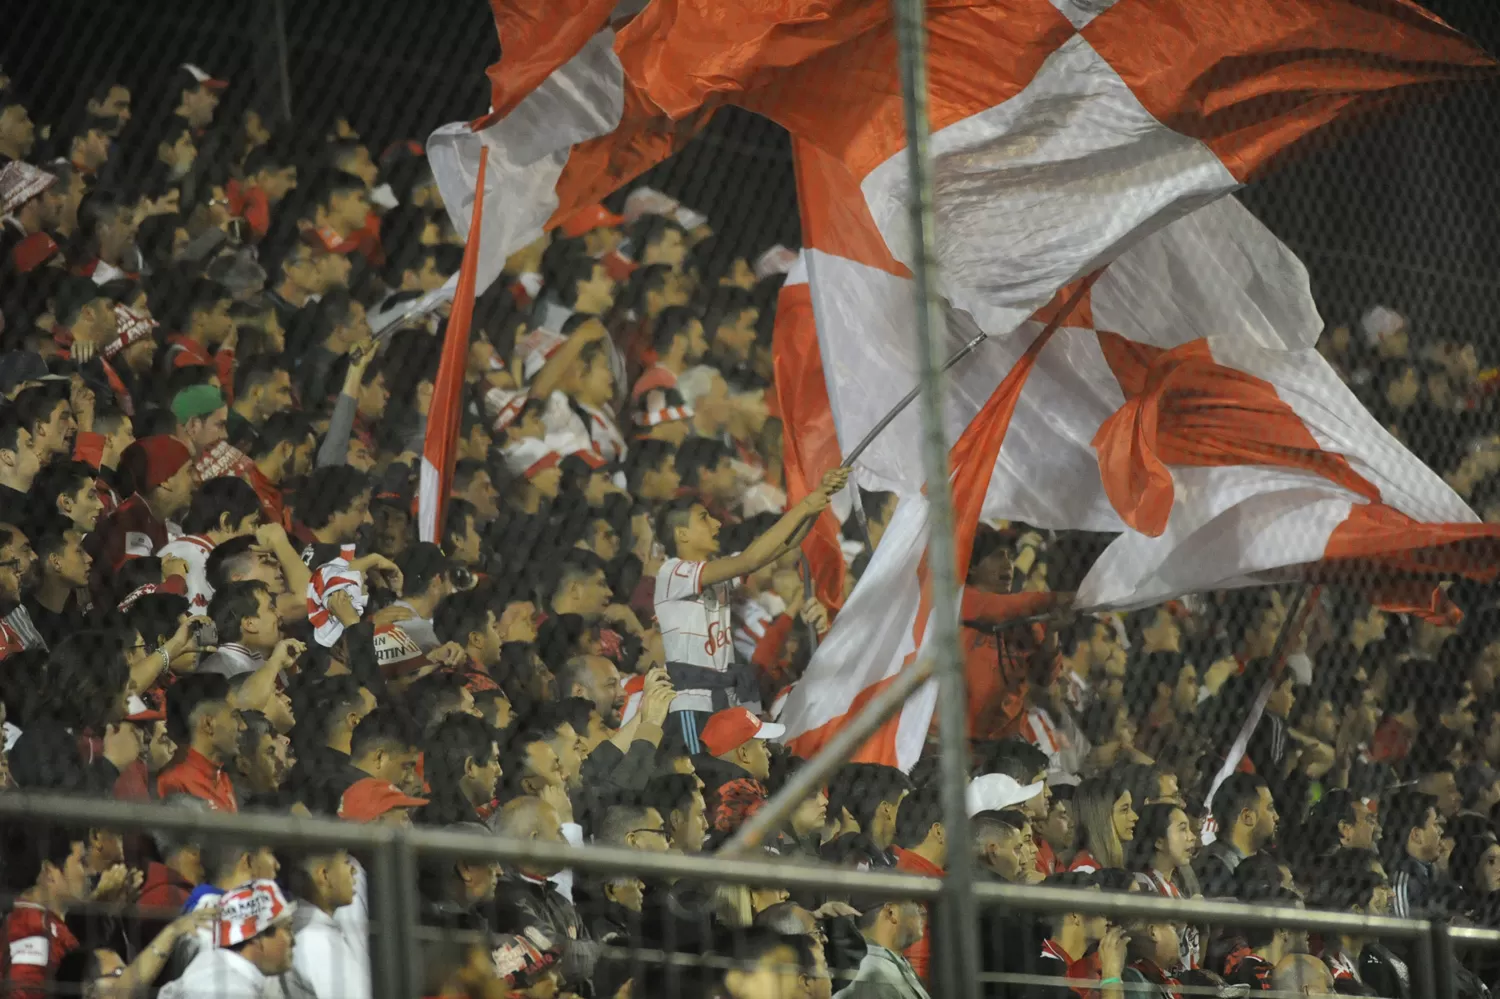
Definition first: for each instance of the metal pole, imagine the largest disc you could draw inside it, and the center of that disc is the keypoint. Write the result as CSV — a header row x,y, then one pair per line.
x,y
409,902
387,964
806,781
283,60
1291,625
959,942
907,400
1444,984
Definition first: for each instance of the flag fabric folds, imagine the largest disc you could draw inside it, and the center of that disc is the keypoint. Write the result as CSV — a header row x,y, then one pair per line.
x,y
810,446
884,626
1179,404
440,445
1062,129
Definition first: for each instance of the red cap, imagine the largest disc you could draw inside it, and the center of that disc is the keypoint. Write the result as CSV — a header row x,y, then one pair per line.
x,y
204,80
151,461
591,218
143,710
33,251
368,799
730,729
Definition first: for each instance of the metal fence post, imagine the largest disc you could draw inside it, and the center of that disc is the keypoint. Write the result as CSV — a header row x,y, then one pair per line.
x,y
408,900
1444,961
957,942
387,897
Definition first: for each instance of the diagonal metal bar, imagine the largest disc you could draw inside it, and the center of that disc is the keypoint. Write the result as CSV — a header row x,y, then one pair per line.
x,y
958,957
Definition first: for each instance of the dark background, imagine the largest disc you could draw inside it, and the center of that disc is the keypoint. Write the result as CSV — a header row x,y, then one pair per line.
x,y
1403,211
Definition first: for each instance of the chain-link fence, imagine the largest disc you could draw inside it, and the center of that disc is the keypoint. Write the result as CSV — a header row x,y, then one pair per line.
x,y
459,502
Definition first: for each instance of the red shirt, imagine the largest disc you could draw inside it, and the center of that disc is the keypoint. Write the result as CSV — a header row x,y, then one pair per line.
x,y
133,784
163,888
132,531
36,941
919,953
998,675
199,776
10,641
251,204
1391,743
1046,859
1084,861
1085,967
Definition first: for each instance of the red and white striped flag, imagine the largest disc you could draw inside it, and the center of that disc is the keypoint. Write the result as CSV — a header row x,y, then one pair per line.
x,y
883,627
444,413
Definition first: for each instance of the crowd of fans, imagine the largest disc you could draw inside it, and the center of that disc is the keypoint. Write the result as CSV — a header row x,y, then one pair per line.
x,y
213,597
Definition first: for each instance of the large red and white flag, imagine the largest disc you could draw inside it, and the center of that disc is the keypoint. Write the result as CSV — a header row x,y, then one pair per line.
x,y
440,445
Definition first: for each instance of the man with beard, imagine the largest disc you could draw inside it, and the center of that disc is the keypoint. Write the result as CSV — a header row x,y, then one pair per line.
x,y
261,764
19,572
597,679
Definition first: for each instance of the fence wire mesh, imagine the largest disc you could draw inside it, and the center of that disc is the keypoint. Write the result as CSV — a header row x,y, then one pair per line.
x,y
228,254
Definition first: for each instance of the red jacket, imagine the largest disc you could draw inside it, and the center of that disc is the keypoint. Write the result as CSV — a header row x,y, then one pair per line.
x,y
199,776
164,889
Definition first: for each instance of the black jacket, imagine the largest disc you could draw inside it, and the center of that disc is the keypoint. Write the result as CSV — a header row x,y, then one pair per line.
x,y
523,904
1415,887
1215,866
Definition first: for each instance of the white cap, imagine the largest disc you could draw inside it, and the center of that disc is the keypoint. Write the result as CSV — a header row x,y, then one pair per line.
x,y
997,792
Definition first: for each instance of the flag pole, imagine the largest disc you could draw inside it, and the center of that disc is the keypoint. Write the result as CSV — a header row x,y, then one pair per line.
x,y
958,355
907,400
1303,600
957,948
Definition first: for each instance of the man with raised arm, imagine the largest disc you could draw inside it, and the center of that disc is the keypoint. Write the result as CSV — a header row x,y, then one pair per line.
x,y
693,602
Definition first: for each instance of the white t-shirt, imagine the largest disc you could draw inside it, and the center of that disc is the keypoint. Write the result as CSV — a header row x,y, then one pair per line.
x,y
193,549
695,624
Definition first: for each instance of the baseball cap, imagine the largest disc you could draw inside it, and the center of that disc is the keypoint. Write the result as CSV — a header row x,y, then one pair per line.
x,y
368,799
17,367
143,710
728,730
249,911
997,792
202,77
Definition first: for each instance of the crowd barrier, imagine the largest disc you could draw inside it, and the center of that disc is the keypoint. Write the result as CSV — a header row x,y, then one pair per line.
x,y
391,855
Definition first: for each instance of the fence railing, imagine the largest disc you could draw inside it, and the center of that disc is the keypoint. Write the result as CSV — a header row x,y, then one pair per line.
x,y
392,855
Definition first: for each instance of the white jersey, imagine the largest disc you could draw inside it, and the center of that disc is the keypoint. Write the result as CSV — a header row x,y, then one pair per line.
x,y
696,627
194,550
